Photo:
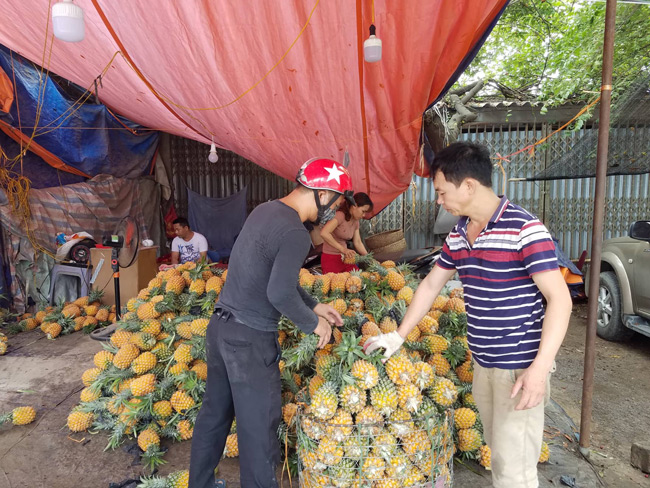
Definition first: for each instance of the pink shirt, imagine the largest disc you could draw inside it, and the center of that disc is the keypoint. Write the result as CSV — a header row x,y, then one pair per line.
x,y
344,232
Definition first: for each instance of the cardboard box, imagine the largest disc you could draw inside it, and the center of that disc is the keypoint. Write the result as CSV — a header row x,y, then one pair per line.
x,y
132,279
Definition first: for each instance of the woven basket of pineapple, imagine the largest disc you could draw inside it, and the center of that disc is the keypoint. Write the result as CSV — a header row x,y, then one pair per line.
x,y
369,449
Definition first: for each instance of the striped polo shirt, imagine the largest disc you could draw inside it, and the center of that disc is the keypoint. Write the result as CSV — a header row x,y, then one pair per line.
x,y
504,306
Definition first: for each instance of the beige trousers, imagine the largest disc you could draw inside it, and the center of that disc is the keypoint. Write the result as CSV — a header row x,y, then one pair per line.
x,y
514,436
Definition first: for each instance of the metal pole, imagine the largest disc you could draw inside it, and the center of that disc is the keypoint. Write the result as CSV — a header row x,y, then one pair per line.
x,y
597,232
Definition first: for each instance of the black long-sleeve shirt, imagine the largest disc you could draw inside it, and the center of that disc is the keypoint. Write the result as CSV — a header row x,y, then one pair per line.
x,y
262,281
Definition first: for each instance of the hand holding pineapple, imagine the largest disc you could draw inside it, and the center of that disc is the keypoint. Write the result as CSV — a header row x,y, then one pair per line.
x,y
329,313
323,331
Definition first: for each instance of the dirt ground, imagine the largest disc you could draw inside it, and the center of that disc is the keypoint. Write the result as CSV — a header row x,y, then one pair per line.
x,y
621,400
46,374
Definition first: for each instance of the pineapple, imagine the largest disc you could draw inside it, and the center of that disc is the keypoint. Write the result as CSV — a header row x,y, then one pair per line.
x,y
401,423
79,421
383,397
178,369
464,418
199,327
143,385
89,394
90,375
144,341
485,456
465,372
424,376
54,330
147,439
120,337
444,392
197,287
409,397
323,284
185,429
428,325
181,401
373,468
184,329
400,370
432,344
19,416
315,383
406,294
369,422
440,303
103,359
353,284
313,428
385,445
337,283
201,370
183,354
306,280
352,398
71,311
162,409
468,401
175,284
151,326
388,264
144,362
324,402
289,412
545,453
395,280
329,452
387,325
454,305
340,426
125,356
416,445
147,310
365,374
468,440
339,305
232,446
440,364
102,315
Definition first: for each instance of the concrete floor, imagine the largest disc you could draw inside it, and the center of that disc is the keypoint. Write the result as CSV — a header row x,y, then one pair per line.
x,y
46,374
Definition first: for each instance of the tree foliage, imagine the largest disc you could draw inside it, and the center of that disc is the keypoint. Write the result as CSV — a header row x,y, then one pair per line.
x,y
551,50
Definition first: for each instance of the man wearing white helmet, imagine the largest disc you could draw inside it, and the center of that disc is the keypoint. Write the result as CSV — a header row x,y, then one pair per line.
x,y
242,338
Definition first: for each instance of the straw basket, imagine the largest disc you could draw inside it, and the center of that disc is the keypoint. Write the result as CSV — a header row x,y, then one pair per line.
x,y
396,246
414,453
383,239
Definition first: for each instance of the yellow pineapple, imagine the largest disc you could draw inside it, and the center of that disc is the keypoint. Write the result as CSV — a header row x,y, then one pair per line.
x,y
373,468
440,364
175,284
103,359
464,418
329,452
147,310
406,294
201,370
178,368
102,315
184,329
232,446
409,397
545,453
324,402
424,376
306,280
388,264
71,311
89,394
54,330
185,429
465,372
19,416
413,335
199,327
428,325
400,369
148,438
395,280
79,421
183,354
485,456
339,305
340,426
383,397
440,303
369,421
365,373
143,385
387,325
162,409
323,284
444,392
181,401
125,356
144,341
151,326
353,284
144,362
454,305
120,337
468,440
90,375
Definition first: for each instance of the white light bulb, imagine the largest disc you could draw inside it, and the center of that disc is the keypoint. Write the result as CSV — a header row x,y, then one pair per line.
x,y
68,21
372,47
213,157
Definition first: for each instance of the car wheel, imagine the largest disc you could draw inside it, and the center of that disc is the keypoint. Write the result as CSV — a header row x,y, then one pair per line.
x,y
609,322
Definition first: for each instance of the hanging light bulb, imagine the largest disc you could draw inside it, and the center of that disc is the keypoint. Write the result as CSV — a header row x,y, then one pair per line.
x,y
372,47
213,157
68,21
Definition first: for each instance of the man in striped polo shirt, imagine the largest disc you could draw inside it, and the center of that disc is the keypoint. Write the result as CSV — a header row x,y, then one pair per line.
x,y
505,258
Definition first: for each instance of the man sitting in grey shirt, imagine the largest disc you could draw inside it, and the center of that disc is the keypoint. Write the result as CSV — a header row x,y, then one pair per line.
x,y
242,338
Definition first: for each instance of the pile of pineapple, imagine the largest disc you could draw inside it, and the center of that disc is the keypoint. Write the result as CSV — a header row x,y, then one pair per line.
x,y
353,418
148,381
346,415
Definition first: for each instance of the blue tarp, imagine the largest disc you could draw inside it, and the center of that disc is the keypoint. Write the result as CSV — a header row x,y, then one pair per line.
x,y
89,137
219,219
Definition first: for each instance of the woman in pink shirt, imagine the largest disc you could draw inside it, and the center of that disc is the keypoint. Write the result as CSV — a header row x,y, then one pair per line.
x,y
341,229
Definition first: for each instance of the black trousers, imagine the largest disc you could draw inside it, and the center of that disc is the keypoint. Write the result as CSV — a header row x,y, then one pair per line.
x,y
243,381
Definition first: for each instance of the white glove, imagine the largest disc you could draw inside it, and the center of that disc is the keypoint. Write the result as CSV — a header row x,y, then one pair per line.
x,y
391,342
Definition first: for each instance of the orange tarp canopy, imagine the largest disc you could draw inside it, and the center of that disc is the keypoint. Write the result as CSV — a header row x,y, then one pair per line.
x,y
277,82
